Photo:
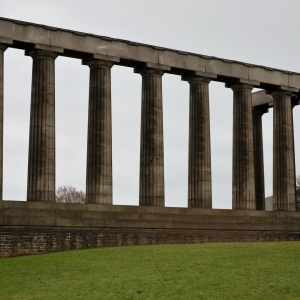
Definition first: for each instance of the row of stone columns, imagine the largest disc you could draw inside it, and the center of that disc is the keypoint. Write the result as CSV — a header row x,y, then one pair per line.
x,y
248,169
248,175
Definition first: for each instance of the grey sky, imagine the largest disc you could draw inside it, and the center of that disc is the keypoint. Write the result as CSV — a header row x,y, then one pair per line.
x,y
261,32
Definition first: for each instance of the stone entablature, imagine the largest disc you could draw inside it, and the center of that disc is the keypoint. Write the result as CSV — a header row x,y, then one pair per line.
x,y
25,35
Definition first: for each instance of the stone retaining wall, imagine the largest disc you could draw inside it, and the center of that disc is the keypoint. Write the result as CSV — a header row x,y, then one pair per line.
x,y
40,227
15,241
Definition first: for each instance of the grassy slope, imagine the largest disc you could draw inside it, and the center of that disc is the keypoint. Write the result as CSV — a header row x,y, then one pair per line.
x,y
203,271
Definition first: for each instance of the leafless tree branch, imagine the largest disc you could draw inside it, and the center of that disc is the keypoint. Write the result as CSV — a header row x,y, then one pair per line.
x,y
69,194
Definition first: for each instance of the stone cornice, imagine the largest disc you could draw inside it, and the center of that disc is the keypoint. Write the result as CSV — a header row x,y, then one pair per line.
x,y
27,35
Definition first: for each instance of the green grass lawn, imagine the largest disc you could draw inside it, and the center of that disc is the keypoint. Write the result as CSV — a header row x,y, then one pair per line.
x,y
203,271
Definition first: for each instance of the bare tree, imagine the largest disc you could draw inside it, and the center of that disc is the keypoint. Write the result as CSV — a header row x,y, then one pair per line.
x,y
298,193
69,194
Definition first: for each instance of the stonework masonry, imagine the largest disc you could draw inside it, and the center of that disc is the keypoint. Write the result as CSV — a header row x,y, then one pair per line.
x,y
152,186
41,162
284,181
39,225
199,181
16,241
243,180
99,151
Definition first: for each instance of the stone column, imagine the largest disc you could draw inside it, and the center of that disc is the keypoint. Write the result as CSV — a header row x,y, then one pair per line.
x,y
3,47
152,192
243,184
199,178
99,147
284,181
259,157
41,161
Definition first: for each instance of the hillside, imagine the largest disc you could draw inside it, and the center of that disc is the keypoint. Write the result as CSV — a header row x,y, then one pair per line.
x,y
202,271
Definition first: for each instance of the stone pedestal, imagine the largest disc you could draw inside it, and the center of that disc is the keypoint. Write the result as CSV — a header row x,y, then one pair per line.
x,y
152,190
2,49
243,184
259,156
199,178
99,148
41,162
284,181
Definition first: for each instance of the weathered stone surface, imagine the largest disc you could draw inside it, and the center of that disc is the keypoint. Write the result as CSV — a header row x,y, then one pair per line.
x,y
16,241
261,98
99,151
284,181
2,49
199,181
41,162
152,186
243,183
259,156
39,227
81,45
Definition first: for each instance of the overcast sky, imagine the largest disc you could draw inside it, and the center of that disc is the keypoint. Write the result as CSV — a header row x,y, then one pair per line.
x,y
263,32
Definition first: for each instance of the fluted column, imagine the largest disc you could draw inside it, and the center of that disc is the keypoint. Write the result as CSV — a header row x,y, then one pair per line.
x,y
152,191
41,161
259,157
99,148
2,49
199,178
284,181
243,184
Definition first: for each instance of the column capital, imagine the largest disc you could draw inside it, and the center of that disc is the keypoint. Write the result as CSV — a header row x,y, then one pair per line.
x,y
5,43
42,53
195,78
198,76
240,83
99,62
3,47
105,59
240,86
148,71
281,93
260,109
151,68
